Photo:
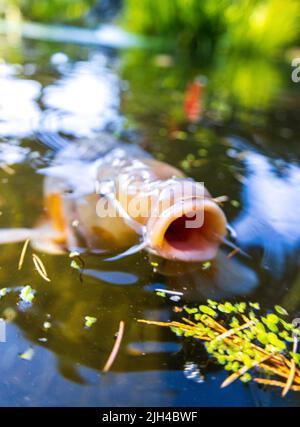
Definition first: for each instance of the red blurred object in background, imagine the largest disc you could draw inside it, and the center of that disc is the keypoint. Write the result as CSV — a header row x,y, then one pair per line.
x,y
193,100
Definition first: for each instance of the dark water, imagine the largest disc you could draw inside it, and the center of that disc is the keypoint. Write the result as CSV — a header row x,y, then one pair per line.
x,y
246,145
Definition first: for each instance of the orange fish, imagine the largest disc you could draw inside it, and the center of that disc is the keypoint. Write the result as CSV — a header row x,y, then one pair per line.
x,y
119,198
193,100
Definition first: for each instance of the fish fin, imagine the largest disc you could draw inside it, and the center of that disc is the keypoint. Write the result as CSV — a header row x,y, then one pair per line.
x,y
16,235
48,240
133,250
43,239
47,246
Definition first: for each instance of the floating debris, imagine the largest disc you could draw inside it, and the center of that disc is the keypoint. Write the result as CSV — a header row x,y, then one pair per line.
x,y
116,348
77,262
40,267
169,292
220,199
241,341
8,169
235,203
47,325
27,294
23,253
3,292
175,298
89,321
27,355
206,265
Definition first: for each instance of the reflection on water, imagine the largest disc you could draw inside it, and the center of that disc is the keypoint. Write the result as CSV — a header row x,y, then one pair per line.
x,y
271,210
80,93
95,104
19,109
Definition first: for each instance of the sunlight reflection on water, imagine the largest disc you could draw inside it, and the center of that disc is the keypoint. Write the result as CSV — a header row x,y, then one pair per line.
x,y
84,100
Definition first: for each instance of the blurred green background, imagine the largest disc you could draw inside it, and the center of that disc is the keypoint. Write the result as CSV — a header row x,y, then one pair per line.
x,y
253,25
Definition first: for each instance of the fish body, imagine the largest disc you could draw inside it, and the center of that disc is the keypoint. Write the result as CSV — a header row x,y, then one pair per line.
x,y
121,197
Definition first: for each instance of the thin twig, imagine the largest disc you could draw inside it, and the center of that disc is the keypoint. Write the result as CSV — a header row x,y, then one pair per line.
x,y
23,252
116,348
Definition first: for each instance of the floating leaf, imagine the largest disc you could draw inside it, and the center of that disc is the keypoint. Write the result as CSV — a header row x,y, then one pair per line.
x,y
27,294
235,203
260,327
75,264
275,341
190,310
255,305
206,265
296,357
281,310
161,294
28,354
89,321
3,292
226,308
272,318
246,377
234,323
241,307
212,303
207,310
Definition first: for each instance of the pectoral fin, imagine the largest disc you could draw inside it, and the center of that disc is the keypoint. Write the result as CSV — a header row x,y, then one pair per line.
x,y
15,235
43,238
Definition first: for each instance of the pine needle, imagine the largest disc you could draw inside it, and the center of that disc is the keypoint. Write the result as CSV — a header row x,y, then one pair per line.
x,y
241,372
275,383
234,330
275,363
23,252
40,267
292,372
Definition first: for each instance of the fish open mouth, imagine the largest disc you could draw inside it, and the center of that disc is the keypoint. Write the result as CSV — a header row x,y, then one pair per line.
x,y
179,236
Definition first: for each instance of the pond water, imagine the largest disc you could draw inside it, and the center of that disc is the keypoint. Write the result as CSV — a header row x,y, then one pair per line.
x,y
245,146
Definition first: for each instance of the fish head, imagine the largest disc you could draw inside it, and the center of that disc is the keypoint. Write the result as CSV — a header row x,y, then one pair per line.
x,y
186,223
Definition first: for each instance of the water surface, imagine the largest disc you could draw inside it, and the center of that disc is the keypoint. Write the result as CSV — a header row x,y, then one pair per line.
x,y
245,145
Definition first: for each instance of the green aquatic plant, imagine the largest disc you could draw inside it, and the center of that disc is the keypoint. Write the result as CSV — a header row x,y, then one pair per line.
x,y
27,293
245,341
89,321
54,11
203,26
28,354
